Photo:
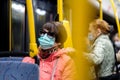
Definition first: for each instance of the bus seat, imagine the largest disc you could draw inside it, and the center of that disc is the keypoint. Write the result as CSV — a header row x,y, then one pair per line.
x,y
15,56
11,58
16,70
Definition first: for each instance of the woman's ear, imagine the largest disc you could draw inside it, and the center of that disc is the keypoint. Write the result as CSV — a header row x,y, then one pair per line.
x,y
57,44
39,49
99,31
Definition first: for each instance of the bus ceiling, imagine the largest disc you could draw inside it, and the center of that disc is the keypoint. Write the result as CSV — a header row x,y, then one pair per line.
x,y
107,7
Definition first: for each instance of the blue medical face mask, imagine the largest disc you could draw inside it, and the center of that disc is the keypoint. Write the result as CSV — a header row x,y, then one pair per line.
x,y
46,41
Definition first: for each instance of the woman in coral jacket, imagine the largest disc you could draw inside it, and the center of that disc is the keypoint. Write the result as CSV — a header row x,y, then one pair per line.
x,y
55,64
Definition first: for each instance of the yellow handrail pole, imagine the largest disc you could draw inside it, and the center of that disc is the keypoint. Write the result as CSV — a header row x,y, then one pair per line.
x,y
119,22
60,9
101,12
10,20
33,45
116,16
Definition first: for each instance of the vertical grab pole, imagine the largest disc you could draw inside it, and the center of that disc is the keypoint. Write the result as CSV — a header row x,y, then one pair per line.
x,y
116,16
60,9
10,21
68,42
33,45
101,12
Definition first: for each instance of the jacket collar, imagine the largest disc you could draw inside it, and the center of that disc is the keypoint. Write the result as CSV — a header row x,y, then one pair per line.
x,y
53,55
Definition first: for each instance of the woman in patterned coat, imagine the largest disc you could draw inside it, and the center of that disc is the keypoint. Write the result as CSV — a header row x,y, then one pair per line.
x,y
102,53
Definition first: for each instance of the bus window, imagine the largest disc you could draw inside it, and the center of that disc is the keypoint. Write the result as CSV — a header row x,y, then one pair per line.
x,y
44,11
17,26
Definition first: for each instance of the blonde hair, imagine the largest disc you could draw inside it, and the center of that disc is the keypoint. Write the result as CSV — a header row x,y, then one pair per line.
x,y
101,24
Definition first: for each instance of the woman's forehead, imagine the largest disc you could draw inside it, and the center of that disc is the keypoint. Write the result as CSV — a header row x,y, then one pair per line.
x,y
45,30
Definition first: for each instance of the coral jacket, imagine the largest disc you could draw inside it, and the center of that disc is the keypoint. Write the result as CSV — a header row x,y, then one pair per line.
x,y
58,66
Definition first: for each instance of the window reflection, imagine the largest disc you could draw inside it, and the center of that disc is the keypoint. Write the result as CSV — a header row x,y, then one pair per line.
x,y
44,11
18,26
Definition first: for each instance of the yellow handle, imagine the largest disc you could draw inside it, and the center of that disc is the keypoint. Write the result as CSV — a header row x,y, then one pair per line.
x,y
68,42
101,12
60,9
116,16
10,21
33,45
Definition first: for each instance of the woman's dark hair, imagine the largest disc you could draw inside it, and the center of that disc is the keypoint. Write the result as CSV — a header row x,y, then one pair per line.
x,y
57,30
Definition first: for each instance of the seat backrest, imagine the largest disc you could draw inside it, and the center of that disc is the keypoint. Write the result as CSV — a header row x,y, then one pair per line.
x,y
17,70
11,58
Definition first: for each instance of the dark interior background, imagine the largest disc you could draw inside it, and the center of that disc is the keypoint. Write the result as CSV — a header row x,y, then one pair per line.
x,y
20,33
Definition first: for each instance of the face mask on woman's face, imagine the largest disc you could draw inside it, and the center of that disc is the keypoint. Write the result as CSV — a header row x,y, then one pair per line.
x,y
117,44
46,41
90,37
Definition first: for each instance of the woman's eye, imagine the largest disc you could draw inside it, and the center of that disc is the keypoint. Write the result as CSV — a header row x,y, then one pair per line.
x,y
42,34
50,34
